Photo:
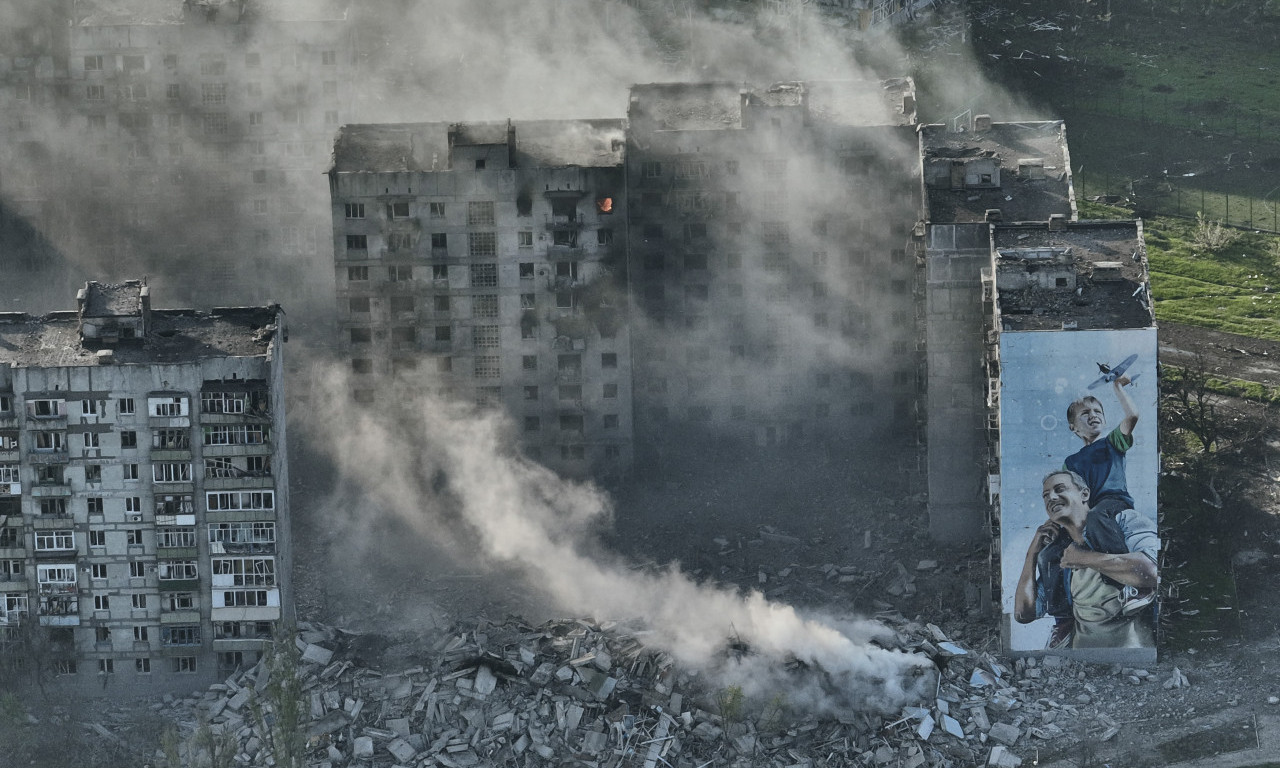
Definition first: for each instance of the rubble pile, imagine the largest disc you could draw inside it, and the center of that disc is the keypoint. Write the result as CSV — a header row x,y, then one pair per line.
x,y
576,692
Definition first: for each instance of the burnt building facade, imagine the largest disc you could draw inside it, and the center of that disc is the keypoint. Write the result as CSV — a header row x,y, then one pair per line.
x,y
144,499
486,260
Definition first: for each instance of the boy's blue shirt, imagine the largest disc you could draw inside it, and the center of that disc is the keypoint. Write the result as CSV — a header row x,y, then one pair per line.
x,y
1101,464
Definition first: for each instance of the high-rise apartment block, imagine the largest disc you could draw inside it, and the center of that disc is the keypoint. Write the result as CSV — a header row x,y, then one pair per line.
x,y
217,117
753,244
487,260
144,526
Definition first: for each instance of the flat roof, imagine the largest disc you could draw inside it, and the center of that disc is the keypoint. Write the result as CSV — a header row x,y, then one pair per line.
x,y
1017,198
718,105
399,147
1108,258
107,13
176,336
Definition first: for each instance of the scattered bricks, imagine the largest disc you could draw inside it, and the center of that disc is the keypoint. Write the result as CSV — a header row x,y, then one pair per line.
x,y
586,658
399,726
885,755
545,752
317,705
1005,733
1000,757
401,750
979,718
927,565
543,674
331,700
1177,680
362,747
707,732
317,654
594,742
485,681
239,700
330,723
602,661
1001,702
952,726
1053,662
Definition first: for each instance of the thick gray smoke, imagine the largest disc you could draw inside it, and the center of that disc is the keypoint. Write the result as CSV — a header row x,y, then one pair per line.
x,y
445,470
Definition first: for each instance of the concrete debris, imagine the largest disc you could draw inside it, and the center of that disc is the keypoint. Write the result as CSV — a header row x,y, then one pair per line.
x,y
577,692
1177,680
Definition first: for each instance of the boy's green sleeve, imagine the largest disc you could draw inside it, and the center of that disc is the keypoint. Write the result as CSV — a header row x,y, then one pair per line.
x,y
1120,440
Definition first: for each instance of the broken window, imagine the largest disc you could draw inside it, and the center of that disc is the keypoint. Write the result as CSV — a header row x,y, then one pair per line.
x,y
173,538
529,362
93,63
361,335
651,169
566,299
485,336
488,366
482,243
526,270
400,273
604,236
397,210
358,303
528,301
573,452
401,305
444,333
440,303
439,241
610,421
171,472
774,233
180,635
480,214
571,422
399,241
93,473
436,210
223,501
50,441
695,231
609,360
610,391
569,392
404,334
357,243
532,423
530,393
440,272
484,275
484,306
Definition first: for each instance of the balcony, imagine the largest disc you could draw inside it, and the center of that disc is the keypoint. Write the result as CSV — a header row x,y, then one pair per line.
x,y
171,454
38,456
571,222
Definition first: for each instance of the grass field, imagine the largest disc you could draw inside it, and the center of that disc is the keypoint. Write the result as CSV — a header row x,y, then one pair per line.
x,y
1173,113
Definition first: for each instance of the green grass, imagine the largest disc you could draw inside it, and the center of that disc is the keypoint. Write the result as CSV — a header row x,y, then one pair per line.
x,y
1173,112
1234,288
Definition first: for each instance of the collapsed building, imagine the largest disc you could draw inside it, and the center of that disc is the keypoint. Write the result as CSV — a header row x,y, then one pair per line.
x,y
144,492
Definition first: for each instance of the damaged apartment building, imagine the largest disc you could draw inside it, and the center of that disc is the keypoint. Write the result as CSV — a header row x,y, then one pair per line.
x,y
144,527
216,115
695,266
797,264
487,261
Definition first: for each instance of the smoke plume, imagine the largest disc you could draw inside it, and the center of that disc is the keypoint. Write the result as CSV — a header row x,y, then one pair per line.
x,y
447,472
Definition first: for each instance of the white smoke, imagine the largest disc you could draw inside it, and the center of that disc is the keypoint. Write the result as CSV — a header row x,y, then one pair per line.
x,y
440,463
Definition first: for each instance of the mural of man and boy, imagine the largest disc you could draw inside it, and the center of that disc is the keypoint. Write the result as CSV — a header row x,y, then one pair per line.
x,y
1088,572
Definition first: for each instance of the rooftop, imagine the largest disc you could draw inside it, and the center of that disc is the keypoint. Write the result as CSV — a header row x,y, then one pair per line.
x,y
177,335
1032,182
113,300
1086,275
397,147
719,105
106,13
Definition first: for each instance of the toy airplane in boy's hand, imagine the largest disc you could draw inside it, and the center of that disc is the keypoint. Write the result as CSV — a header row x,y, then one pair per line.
x,y
1110,374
